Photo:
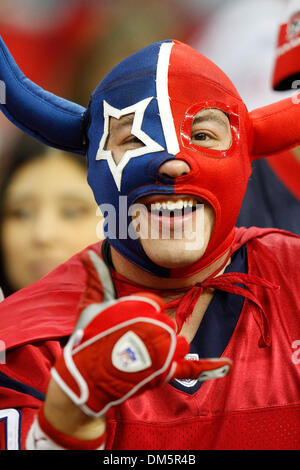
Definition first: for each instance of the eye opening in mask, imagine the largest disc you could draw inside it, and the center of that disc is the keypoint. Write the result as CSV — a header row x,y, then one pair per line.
x,y
211,129
120,137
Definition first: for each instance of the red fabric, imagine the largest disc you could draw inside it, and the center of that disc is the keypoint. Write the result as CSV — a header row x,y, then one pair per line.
x,y
44,54
46,309
288,51
107,384
135,314
275,126
272,128
93,291
287,169
29,366
255,407
181,428
226,282
189,70
53,300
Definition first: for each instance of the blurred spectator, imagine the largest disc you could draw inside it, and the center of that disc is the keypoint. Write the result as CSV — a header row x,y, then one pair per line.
x,y
133,25
48,39
240,37
245,51
58,46
47,213
68,46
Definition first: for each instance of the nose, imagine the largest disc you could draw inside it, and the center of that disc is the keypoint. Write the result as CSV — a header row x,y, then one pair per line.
x,y
44,230
174,168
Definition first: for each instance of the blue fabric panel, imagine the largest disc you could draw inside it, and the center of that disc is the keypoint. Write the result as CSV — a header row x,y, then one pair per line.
x,y
8,382
219,320
268,202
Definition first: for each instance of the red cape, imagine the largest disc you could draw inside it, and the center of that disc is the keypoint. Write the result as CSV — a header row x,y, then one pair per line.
x,y
47,309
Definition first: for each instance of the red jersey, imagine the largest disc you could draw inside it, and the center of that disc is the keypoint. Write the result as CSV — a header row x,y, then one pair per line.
x,y
257,406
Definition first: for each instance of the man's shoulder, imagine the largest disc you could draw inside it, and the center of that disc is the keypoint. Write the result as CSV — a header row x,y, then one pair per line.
x,y
272,254
266,238
47,308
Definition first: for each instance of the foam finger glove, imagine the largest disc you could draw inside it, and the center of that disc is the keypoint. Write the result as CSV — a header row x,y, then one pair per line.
x,y
121,347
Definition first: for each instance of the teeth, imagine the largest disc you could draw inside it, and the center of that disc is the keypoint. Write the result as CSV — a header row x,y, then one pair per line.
x,y
172,205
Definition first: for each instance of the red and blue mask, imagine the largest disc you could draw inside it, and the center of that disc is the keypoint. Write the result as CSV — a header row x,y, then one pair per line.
x,y
163,86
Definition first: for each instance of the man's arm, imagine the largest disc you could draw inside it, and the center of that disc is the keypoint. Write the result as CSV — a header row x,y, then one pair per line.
x,y
60,424
119,348
79,425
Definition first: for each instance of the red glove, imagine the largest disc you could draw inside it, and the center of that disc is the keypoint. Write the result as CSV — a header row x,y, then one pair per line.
x,y
121,347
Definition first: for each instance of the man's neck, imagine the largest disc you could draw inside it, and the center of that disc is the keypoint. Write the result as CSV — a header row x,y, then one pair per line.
x,y
136,274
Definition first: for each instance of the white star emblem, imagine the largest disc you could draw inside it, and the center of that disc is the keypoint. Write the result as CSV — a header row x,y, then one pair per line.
x,y
150,145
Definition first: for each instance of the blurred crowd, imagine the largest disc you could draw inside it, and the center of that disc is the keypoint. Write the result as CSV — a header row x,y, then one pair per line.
x,y
47,211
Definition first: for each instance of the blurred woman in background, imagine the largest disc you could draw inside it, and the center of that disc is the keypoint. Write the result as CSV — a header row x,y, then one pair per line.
x,y
47,213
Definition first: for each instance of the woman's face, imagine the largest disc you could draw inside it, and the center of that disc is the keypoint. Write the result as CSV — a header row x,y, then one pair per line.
x,y
49,215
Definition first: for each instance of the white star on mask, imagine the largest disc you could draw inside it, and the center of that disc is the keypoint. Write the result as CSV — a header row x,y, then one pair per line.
x,y
150,145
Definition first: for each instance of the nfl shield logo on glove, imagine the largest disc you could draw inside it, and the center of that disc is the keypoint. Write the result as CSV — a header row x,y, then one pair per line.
x,y
130,354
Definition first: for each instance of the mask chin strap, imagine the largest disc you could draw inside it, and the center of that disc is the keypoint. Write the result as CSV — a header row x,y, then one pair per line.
x,y
275,127
52,120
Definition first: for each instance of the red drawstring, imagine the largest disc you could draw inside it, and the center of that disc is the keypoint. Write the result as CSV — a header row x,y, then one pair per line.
x,y
226,282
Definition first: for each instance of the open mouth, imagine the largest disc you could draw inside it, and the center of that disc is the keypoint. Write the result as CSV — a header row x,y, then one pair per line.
x,y
170,216
171,206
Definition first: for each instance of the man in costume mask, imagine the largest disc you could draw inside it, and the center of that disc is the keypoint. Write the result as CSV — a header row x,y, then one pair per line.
x,y
122,328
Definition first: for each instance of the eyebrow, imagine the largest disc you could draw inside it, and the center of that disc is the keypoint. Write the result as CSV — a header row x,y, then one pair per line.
x,y
28,196
211,117
122,122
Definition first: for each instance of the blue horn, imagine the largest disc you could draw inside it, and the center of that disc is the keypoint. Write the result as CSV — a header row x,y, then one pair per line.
x,y
53,120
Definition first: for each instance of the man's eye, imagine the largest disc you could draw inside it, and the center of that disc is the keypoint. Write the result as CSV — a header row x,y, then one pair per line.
x,y
73,212
201,136
20,213
132,140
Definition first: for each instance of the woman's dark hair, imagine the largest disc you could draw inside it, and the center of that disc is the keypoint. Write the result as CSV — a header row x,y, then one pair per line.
x,y
25,150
